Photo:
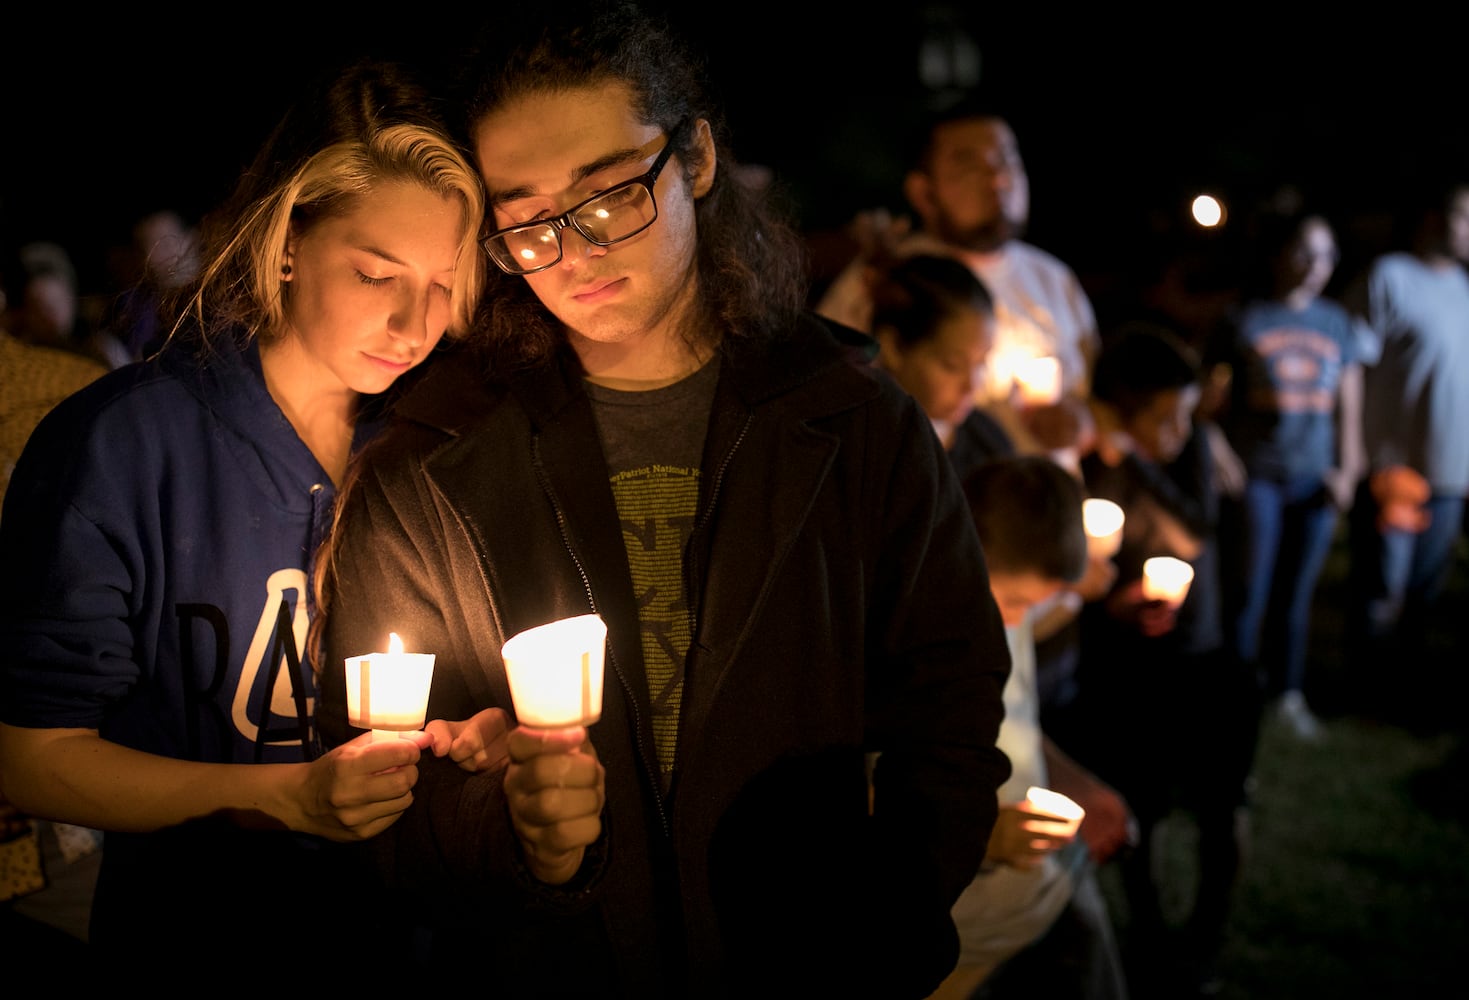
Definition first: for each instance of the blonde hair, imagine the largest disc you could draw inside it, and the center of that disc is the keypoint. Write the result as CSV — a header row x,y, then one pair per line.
x,y
368,126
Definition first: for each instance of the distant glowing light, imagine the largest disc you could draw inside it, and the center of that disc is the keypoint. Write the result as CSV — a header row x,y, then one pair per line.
x,y
1207,210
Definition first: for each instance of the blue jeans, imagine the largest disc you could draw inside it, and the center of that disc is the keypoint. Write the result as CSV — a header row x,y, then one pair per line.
x,y
1288,531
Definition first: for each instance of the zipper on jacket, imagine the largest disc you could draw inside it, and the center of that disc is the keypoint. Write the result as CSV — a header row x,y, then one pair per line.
x,y
632,701
693,571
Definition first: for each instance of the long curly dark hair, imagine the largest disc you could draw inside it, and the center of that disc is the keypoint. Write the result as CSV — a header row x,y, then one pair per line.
x,y
751,261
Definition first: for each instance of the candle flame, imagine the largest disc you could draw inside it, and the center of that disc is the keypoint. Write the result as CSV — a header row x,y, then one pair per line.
x,y
395,645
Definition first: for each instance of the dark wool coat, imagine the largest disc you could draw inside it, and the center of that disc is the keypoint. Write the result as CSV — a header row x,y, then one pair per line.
x,y
841,607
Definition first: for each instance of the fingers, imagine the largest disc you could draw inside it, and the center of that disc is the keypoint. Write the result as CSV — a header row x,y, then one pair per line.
x,y
441,735
364,773
555,788
476,744
538,777
483,744
358,789
368,819
1022,837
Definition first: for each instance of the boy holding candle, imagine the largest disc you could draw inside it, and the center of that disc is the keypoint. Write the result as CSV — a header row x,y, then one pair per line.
x,y
1152,458
652,429
1034,921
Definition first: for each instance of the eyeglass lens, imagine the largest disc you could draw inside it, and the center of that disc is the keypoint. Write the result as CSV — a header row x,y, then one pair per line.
x,y
608,218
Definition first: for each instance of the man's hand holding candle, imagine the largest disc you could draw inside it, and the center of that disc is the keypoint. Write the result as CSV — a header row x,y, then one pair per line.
x,y
555,787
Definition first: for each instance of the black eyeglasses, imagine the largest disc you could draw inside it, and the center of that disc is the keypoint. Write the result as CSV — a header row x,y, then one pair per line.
x,y
609,217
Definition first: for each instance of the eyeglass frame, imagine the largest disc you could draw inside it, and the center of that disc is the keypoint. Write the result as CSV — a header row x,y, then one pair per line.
x,y
567,219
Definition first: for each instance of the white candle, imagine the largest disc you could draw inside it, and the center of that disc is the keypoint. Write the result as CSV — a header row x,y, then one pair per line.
x,y
1166,579
555,672
1057,805
388,692
1103,520
1039,380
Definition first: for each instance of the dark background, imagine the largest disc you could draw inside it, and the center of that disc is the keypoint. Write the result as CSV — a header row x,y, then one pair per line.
x,y
1121,117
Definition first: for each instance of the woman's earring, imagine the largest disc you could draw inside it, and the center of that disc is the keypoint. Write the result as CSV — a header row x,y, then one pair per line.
x,y
285,270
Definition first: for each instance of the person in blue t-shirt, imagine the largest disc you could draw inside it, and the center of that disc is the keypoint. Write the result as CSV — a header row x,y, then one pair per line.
x,y
1296,379
159,532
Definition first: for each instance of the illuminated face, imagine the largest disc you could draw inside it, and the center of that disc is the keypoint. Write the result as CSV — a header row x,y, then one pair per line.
x,y
1017,593
978,194
939,372
1162,428
370,289
547,152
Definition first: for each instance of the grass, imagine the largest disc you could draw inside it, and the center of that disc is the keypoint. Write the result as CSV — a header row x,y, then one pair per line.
x,y
1356,879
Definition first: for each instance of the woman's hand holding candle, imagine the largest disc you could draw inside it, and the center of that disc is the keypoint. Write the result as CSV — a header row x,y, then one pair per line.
x,y
356,790
555,787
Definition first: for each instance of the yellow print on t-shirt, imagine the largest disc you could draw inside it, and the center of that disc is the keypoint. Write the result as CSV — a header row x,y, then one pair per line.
x,y
656,504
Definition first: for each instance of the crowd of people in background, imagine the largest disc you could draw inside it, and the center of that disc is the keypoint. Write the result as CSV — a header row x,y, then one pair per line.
x,y
1297,411
1237,427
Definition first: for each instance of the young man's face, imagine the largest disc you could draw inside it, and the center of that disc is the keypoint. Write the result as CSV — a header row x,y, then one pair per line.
x,y
1017,593
545,153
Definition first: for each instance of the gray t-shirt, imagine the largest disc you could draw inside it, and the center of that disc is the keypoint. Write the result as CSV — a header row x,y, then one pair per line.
x,y
653,441
1416,394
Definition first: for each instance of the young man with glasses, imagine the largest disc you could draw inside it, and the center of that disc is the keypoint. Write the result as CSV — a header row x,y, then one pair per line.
x,y
651,428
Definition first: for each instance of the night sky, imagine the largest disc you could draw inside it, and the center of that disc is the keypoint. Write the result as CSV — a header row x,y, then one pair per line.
x,y
1119,120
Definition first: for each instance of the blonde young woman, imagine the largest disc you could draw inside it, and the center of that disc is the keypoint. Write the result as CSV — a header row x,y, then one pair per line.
x,y
160,528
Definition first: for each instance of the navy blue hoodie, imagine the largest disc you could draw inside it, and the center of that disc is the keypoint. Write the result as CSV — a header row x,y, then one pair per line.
x,y
157,540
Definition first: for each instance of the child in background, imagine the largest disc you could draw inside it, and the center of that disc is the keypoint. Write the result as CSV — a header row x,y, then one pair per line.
x,y
934,325
1153,459
1033,922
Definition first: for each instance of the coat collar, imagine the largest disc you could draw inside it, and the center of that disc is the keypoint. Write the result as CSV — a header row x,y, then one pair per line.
x,y
458,388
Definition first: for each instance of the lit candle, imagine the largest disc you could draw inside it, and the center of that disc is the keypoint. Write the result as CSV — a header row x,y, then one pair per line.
x,y
1039,380
1103,520
555,672
1166,579
1054,804
388,692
